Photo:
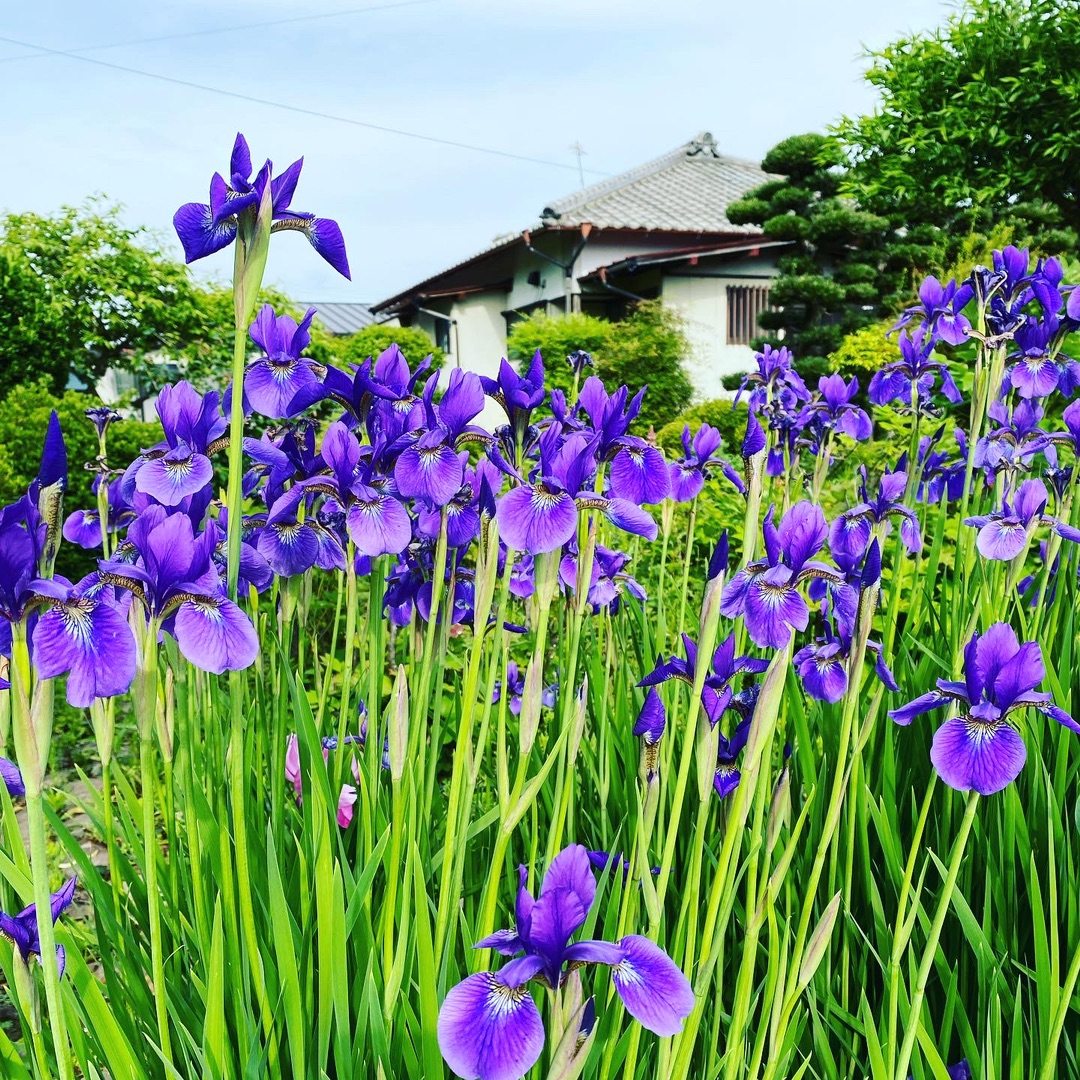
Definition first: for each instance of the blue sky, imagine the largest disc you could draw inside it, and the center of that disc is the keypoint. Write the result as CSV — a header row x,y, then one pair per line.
x,y
628,79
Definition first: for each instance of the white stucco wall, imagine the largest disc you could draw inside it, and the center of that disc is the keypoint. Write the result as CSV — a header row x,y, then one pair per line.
x,y
702,301
478,342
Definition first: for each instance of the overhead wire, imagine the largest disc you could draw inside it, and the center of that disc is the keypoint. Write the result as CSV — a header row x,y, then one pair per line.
x,y
301,110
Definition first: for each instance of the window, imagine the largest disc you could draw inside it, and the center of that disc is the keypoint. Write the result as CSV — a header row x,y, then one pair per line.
x,y
442,334
744,304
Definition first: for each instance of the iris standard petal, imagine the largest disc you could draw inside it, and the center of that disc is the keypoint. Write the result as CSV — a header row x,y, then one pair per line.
x,y
215,635
1021,673
970,755
653,989
489,1031
991,652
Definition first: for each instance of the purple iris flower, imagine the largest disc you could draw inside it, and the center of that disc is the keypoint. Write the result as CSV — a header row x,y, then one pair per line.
x,y
1071,435
700,455
639,473
83,527
766,592
1011,446
515,689
1005,533
206,228
979,749
607,580
835,406
541,516
430,466
462,512
518,394
609,416
940,310
101,417
289,545
939,475
718,692
180,466
579,360
273,380
178,585
852,530
774,374
652,720
84,634
727,776
22,929
823,666
915,370
489,1025
1041,368
12,778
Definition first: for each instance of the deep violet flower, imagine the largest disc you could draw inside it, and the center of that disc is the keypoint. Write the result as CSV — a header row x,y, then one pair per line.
x,y
727,775
639,473
1005,533
84,634
518,394
11,777
101,416
775,375
823,666
834,406
852,530
979,749
915,371
700,456
489,1025
273,380
766,591
429,465
171,572
22,929
179,466
649,728
1041,367
83,527
579,360
940,310
541,516
206,228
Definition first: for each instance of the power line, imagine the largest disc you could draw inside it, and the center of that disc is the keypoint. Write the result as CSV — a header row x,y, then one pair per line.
x,y
217,30
250,98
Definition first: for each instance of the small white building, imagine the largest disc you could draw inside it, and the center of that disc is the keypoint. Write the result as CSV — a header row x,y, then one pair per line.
x,y
657,231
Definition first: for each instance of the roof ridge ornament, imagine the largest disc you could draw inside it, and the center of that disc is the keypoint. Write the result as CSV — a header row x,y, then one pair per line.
x,y
703,145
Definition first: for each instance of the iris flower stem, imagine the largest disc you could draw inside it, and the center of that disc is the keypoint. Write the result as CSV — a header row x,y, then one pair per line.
x,y
690,530
235,488
238,796
944,902
900,938
722,889
32,762
1049,1066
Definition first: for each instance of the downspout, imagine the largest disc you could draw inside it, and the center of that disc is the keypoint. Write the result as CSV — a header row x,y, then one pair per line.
x,y
566,267
615,288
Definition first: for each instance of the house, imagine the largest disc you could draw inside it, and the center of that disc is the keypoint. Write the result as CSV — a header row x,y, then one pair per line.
x,y
657,231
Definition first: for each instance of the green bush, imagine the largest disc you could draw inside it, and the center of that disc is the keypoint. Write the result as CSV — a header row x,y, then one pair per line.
x,y
356,348
646,349
729,419
22,428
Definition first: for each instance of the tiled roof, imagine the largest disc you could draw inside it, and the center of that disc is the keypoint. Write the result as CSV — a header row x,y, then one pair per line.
x,y
686,190
342,318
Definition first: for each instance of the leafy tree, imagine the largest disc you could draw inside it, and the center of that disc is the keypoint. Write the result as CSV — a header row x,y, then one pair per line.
x,y
646,349
845,265
81,292
977,121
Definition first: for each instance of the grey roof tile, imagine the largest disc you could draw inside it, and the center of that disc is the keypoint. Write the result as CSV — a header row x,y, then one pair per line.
x,y
342,318
686,190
